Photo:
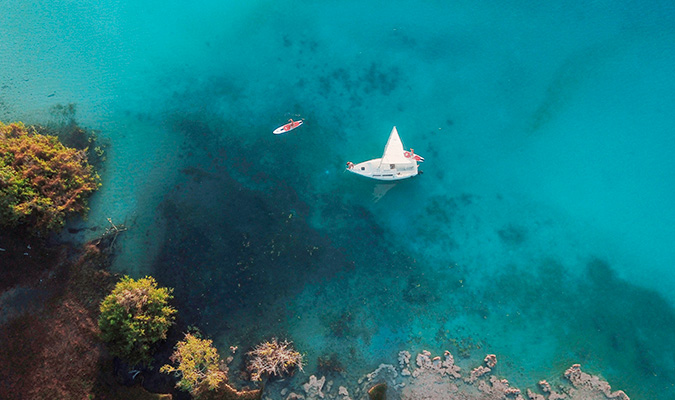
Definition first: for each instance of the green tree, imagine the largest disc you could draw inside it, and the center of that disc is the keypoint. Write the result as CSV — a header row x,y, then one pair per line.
x,y
41,180
134,317
198,365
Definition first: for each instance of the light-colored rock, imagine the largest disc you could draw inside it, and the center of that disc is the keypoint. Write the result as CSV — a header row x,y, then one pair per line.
x,y
477,373
490,360
534,396
382,369
582,380
404,359
435,378
313,388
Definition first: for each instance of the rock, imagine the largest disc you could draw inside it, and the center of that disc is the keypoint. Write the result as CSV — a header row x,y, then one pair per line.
x,y
477,373
313,388
582,380
490,360
378,392
545,386
404,359
381,370
445,367
423,361
342,391
448,366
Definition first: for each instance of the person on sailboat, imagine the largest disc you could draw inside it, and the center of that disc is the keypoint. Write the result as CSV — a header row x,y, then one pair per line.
x,y
411,154
350,165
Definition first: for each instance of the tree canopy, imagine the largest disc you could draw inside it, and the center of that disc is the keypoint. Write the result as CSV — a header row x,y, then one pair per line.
x,y
134,317
41,180
198,365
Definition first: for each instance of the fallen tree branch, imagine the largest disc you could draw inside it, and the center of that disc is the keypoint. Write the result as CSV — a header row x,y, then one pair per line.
x,y
112,231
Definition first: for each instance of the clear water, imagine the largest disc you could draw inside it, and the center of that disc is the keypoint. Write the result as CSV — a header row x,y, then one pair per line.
x,y
542,229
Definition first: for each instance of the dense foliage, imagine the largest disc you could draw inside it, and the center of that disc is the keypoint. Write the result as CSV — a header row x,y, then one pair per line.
x,y
134,317
198,365
41,180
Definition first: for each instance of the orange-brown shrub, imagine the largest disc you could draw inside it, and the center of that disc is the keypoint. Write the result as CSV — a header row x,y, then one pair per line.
x,y
41,180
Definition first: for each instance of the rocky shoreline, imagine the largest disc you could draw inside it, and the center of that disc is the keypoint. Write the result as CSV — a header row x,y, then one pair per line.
x,y
439,378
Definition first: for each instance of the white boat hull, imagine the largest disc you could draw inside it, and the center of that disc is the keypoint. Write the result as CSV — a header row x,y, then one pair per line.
x,y
390,172
395,164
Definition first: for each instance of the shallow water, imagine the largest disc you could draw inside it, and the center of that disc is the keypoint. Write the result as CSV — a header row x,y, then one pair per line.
x,y
541,230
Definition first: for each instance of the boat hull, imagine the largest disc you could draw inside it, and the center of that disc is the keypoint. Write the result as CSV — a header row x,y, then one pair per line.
x,y
372,169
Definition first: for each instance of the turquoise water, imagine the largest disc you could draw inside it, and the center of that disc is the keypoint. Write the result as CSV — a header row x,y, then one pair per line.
x,y
542,227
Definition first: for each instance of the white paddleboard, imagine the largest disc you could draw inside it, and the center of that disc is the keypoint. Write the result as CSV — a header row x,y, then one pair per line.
x,y
288,127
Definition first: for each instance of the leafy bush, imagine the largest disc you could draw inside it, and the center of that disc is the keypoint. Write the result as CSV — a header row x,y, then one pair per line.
x,y
134,317
198,365
41,180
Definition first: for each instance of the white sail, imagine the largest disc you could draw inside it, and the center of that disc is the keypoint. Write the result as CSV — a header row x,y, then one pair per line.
x,y
393,166
393,151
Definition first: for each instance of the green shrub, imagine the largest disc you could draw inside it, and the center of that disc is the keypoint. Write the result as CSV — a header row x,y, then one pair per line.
x,y
198,365
134,317
41,180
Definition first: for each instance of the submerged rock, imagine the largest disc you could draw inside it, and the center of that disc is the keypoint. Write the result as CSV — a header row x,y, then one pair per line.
x,y
378,392
313,387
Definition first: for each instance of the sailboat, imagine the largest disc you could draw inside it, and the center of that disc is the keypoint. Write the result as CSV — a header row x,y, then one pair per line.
x,y
395,163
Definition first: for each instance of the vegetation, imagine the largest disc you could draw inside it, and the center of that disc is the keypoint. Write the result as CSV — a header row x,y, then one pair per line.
x,y
273,358
198,365
41,180
134,317
52,349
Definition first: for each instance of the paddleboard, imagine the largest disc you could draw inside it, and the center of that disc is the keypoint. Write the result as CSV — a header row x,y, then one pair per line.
x,y
288,127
